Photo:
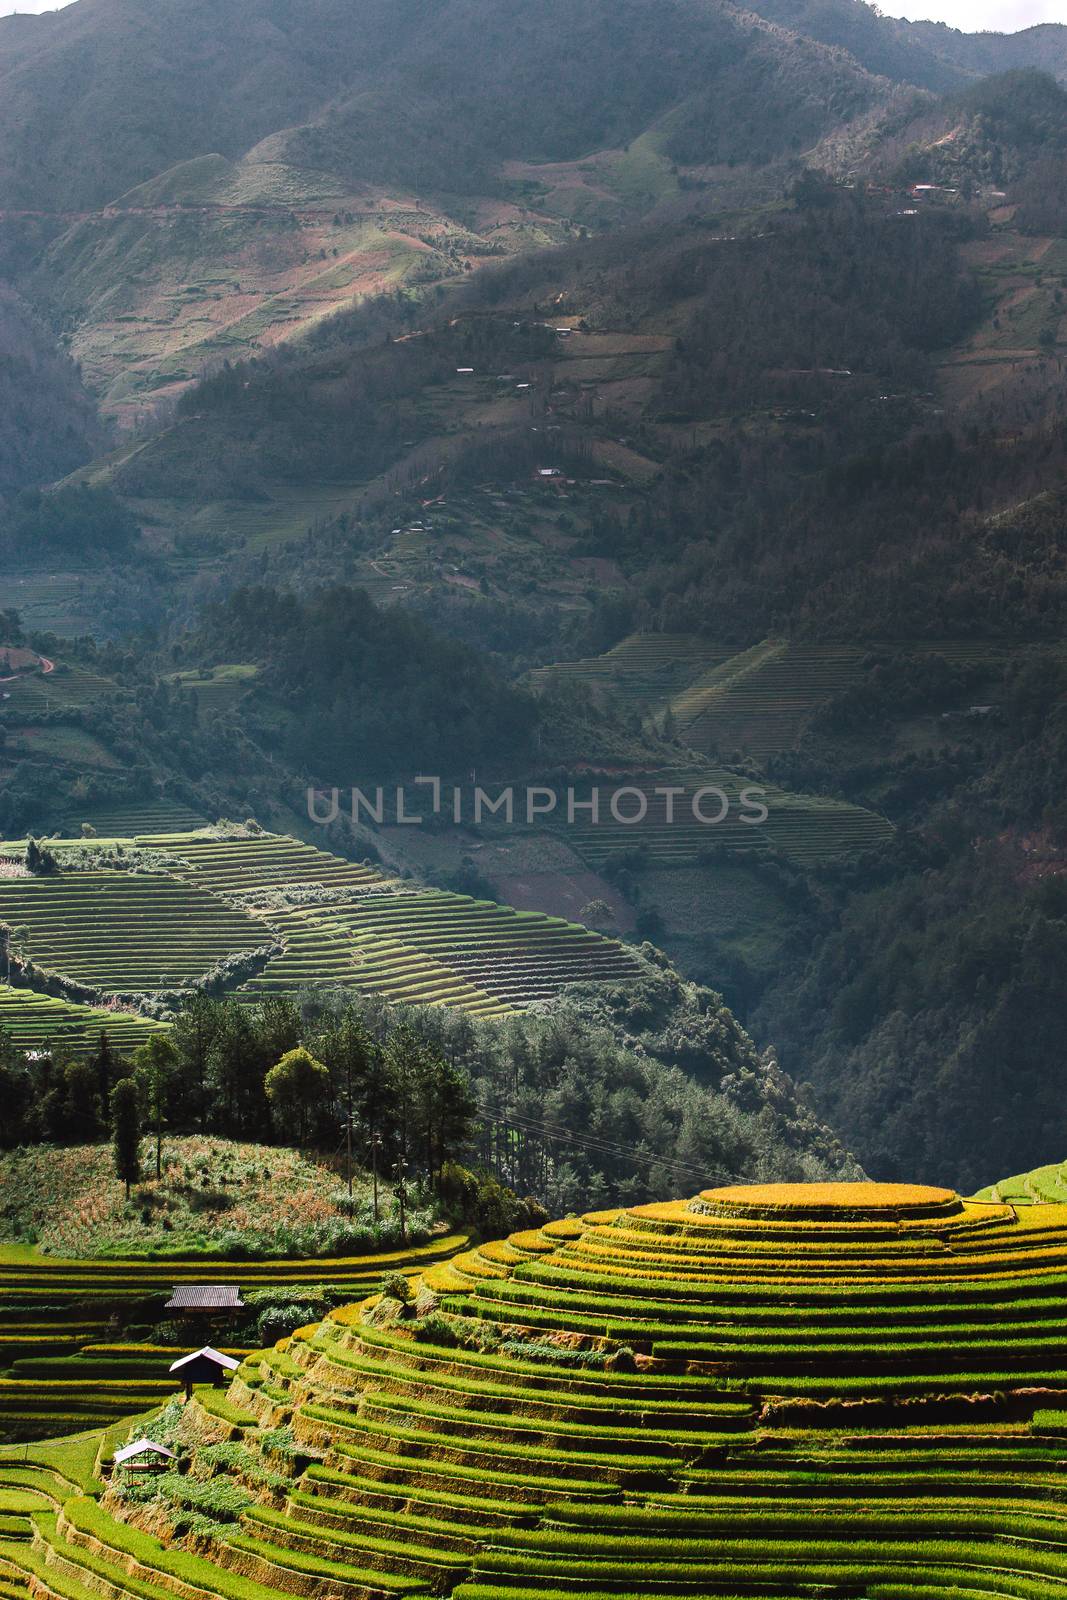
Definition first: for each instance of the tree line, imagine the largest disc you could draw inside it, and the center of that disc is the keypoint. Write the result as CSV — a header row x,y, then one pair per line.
x,y
395,1106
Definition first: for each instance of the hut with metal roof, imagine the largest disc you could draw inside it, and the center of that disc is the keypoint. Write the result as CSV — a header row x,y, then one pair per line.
x,y
143,1455
204,1366
205,1299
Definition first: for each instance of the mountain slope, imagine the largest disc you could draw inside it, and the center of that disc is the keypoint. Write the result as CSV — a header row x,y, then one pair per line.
x,y
106,93
48,423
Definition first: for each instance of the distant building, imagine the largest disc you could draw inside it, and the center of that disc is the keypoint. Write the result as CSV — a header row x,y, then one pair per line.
x,y
205,1299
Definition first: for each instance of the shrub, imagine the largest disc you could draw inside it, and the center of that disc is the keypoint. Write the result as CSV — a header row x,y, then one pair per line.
x,y
395,1286
436,1328
479,1200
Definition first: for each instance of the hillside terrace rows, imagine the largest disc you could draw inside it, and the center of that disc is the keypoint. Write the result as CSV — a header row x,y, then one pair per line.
x,y
759,701
147,817
805,829
42,1022
426,1465
643,670
133,931
64,1367
123,932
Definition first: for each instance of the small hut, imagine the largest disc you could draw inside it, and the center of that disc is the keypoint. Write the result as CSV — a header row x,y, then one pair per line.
x,y
204,1366
143,1455
205,1299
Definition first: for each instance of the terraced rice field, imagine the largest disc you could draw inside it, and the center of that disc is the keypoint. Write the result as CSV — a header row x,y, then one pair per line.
x,y
804,828
64,1364
415,946
755,701
644,670
221,690
40,1022
149,817
1043,1184
123,932
758,701
848,1390
55,691
433,947
271,861
342,924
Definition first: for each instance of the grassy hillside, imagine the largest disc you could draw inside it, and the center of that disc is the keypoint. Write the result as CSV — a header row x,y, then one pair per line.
x,y
308,67
622,1400
71,1205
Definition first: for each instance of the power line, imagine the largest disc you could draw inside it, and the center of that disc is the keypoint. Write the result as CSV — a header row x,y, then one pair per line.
x,y
601,1146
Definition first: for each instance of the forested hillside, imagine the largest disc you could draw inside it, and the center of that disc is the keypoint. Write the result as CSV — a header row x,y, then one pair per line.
x,y
48,423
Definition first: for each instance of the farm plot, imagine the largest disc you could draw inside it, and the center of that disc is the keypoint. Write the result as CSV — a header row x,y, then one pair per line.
x,y
55,691
1029,1188
431,947
643,671
148,817
248,865
66,1361
685,816
123,932
41,1022
779,1390
341,924
217,689
758,701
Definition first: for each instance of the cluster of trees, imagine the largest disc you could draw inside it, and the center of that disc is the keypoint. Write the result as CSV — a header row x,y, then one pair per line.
x,y
392,1103
646,1088
48,423
363,692
77,523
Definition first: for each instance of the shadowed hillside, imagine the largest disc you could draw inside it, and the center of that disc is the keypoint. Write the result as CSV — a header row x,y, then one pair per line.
x,y
48,424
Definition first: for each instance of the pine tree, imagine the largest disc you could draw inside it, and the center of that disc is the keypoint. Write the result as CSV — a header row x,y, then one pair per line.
x,y
126,1131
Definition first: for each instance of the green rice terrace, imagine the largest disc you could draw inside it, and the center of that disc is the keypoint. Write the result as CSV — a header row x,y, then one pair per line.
x,y
1043,1184
175,906
76,1337
757,700
41,1022
709,812
85,1272
785,1390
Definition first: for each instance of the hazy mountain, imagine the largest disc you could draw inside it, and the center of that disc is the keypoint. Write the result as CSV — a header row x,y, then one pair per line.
x,y
106,93
1043,47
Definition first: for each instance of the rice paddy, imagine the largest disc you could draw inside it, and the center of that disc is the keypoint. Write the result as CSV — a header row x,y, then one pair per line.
x,y
41,1022
123,932
785,1391
337,923
710,814
756,701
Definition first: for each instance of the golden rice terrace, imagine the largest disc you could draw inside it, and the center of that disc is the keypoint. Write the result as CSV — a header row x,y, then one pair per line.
x,y
852,1390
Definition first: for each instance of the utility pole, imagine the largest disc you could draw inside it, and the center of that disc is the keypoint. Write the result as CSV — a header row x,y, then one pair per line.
x,y
375,1146
348,1124
399,1169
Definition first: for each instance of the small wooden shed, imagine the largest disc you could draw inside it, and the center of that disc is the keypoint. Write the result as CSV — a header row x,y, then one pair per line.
x,y
205,1299
204,1366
